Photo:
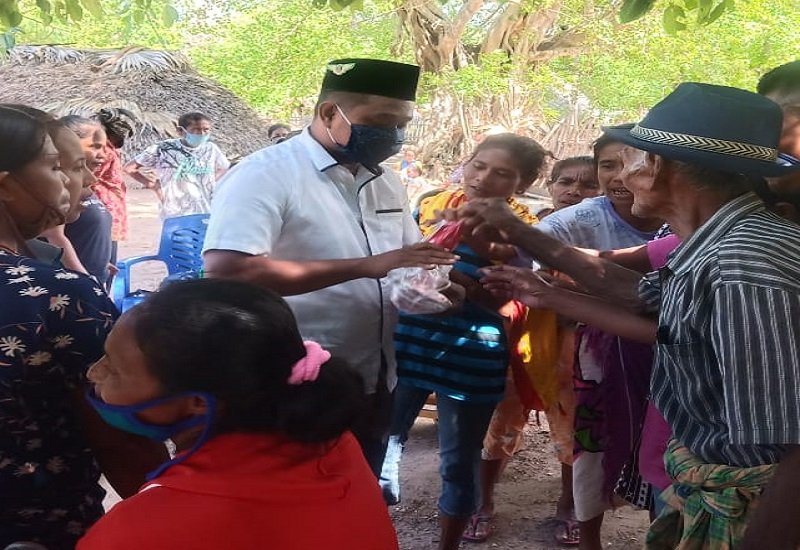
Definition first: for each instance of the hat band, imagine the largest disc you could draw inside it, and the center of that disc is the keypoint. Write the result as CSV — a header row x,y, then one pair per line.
x,y
713,145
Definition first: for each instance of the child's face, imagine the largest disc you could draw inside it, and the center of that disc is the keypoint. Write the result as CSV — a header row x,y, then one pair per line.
x,y
279,134
492,173
573,184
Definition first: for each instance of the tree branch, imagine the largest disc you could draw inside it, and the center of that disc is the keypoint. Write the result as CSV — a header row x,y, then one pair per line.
x,y
495,37
465,14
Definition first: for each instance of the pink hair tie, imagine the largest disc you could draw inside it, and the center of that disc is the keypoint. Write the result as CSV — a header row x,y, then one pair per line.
x,y
307,368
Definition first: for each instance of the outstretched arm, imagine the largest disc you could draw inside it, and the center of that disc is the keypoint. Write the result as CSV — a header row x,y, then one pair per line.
x,y
600,277
298,277
535,290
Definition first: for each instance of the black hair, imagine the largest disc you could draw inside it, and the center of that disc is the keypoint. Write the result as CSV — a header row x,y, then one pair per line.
x,y
38,114
277,126
601,143
781,80
764,192
187,119
53,124
562,165
22,138
527,153
117,128
239,343
80,124
771,196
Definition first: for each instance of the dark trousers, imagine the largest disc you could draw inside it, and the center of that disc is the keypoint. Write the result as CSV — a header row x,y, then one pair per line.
x,y
372,429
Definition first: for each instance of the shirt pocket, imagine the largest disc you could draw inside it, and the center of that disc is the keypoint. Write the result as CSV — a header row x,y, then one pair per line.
x,y
389,223
692,370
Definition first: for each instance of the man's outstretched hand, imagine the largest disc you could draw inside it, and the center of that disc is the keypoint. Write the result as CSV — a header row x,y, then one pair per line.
x,y
424,255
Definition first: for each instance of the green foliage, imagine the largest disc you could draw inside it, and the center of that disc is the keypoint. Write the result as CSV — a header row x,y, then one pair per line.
x,y
632,10
483,80
69,12
704,12
273,54
7,40
632,67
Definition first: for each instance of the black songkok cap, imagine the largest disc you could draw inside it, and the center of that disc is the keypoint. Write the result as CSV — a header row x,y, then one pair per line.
x,y
372,76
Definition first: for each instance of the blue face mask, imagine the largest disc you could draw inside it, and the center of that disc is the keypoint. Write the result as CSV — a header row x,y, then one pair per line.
x,y
369,145
195,140
123,417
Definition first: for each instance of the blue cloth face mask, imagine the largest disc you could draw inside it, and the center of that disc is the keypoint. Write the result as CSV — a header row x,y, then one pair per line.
x,y
123,417
369,145
195,140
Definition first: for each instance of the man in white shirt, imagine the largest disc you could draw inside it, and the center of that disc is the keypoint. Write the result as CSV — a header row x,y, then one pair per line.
x,y
316,219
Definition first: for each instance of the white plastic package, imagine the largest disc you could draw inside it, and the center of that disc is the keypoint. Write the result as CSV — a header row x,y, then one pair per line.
x,y
418,291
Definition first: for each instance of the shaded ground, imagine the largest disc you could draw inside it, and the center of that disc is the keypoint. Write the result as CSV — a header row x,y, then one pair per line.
x,y
525,497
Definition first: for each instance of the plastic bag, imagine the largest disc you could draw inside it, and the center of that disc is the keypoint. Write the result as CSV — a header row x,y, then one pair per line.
x,y
446,234
417,291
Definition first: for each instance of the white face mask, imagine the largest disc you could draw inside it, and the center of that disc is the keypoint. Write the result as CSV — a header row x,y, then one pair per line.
x,y
195,140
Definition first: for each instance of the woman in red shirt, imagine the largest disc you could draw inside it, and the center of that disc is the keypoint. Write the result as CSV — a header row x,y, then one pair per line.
x,y
260,421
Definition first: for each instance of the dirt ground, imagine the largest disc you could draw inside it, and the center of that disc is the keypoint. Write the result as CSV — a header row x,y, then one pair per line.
x,y
526,496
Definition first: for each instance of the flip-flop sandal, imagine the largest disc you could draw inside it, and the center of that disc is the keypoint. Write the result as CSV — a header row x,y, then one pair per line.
x,y
479,528
567,532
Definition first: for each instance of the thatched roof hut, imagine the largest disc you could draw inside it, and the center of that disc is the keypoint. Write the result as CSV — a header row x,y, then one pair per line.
x,y
156,86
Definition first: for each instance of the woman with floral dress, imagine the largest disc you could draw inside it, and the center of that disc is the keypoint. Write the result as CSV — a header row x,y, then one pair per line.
x,y
53,324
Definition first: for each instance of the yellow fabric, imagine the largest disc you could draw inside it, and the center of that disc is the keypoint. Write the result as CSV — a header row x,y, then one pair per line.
x,y
453,199
539,349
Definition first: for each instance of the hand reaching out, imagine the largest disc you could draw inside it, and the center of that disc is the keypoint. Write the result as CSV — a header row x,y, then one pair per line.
x,y
532,288
424,255
490,219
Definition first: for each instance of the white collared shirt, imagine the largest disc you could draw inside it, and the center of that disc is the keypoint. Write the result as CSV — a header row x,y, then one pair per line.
x,y
293,201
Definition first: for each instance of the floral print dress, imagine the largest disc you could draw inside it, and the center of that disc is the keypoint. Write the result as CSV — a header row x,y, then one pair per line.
x,y
53,325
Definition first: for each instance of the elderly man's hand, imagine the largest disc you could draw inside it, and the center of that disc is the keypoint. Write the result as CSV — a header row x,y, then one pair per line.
x,y
514,283
489,219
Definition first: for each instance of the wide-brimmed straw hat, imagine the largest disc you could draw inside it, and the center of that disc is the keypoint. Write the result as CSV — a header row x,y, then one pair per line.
x,y
717,127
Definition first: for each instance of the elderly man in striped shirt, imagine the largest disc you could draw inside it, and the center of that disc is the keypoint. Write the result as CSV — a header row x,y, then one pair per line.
x,y
727,369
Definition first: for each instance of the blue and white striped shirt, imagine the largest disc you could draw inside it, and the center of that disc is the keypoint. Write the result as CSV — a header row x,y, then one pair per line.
x,y
727,369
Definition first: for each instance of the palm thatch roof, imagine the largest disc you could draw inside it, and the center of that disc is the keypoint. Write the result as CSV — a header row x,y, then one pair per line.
x,y
156,86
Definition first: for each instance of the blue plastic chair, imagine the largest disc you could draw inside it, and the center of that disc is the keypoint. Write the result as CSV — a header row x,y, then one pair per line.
x,y
180,250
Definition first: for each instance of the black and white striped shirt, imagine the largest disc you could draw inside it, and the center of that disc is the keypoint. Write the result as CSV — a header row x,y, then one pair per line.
x,y
727,369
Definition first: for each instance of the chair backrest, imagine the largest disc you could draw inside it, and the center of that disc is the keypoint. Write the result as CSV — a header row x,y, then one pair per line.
x,y
182,243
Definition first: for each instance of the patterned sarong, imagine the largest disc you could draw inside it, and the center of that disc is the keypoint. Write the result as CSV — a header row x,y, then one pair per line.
x,y
612,378
708,505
